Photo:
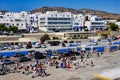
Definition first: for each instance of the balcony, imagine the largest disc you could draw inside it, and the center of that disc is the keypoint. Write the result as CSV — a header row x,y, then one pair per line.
x,y
59,25
59,20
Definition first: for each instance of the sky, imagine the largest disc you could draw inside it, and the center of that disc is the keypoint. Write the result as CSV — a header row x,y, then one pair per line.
x,y
28,5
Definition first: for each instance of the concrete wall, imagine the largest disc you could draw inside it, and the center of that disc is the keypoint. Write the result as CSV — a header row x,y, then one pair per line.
x,y
28,39
36,36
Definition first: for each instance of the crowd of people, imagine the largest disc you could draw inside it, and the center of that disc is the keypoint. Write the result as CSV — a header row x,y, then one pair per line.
x,y
38,68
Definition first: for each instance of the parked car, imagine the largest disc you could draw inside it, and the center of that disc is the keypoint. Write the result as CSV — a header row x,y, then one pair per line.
x,y
54,43
1,56
24,59
11,47
29,45
63,45
18,54
24,44
115,38
39,55
110,43
5,47
7,62
43,46
18,47
37,45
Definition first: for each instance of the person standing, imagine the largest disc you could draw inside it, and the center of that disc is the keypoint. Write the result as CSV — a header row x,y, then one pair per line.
x,y
92,64
68,65
56,63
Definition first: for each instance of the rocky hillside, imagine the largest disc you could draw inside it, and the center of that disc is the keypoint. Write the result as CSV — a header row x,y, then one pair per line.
x,y
60,9
103,14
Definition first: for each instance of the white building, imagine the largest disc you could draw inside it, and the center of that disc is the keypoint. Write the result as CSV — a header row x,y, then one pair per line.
x,y
78,22
32,21
53,20
14,19
118,23
95,23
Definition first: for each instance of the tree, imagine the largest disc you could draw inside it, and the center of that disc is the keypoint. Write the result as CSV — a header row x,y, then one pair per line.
x,y
3,27
8,29
113,27
55,38
13,28
44,38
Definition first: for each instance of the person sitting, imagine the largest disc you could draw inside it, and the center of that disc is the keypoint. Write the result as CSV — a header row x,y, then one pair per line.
x,y
26,70
44,73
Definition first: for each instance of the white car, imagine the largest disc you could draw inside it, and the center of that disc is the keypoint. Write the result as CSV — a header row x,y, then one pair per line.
x,y
37,45
11,47
43,46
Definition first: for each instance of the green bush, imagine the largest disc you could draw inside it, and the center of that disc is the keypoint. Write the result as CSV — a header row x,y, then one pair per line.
x,y
81,37
113,27
104,35
8,29
54,38
44,38
74,37
86,37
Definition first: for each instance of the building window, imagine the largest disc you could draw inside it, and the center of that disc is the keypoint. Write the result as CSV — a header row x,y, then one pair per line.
x,y
42,18
17,24
100,28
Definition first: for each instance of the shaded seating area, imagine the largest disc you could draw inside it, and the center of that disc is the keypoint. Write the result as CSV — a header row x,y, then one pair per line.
x,y
74,45
60,51
87,49
116,43
99,48
114,48
10,54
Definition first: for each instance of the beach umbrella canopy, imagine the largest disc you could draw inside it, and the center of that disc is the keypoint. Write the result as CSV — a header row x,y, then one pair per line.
x,y
116,43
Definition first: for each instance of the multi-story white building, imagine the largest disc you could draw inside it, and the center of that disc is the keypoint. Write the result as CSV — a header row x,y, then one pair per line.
x,y
95,23
14,19
53,20
32,21
78,22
